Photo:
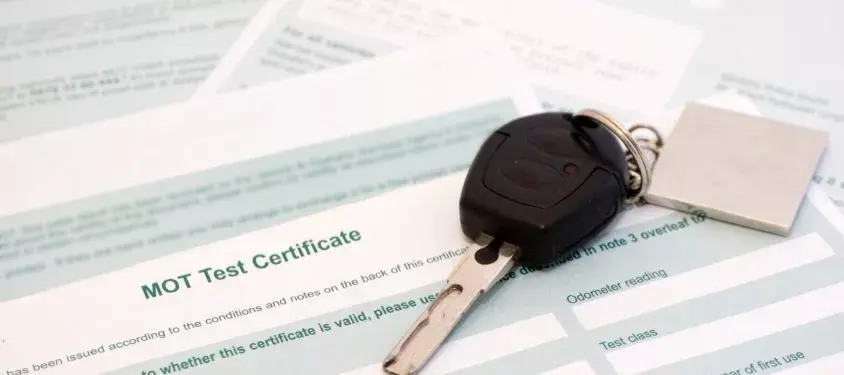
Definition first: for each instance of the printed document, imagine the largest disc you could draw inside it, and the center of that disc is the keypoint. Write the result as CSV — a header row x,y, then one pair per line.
x,y
330,293
66,63
99,197
632,59
189,249
307,237
63,65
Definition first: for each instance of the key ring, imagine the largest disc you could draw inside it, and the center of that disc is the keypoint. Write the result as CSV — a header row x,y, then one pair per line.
x,y
640,172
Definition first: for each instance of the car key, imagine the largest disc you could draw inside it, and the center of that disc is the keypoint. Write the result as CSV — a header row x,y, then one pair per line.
x,y
538,187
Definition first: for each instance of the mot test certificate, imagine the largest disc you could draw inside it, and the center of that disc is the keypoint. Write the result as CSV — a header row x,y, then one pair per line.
x,y
207,263
200,263
665,293
193,179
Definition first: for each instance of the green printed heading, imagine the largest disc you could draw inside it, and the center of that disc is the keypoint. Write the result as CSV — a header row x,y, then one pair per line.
x,y
260,261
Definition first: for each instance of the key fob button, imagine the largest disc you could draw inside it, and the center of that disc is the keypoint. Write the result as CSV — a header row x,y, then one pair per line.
x,y
529,166
532,174
527,181
548,140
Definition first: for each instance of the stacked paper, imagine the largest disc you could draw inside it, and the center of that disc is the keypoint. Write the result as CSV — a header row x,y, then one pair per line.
x,y
156,155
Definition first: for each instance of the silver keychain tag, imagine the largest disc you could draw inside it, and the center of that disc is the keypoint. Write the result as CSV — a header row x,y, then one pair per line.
x,y
736,168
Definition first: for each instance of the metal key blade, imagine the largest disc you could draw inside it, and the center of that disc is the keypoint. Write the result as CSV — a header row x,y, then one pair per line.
x,y
474,275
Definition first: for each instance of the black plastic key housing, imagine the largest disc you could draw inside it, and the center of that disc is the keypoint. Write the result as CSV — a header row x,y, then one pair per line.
x,y
545,182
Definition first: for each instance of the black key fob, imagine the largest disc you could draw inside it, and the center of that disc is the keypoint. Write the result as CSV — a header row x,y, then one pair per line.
x,y
546,183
